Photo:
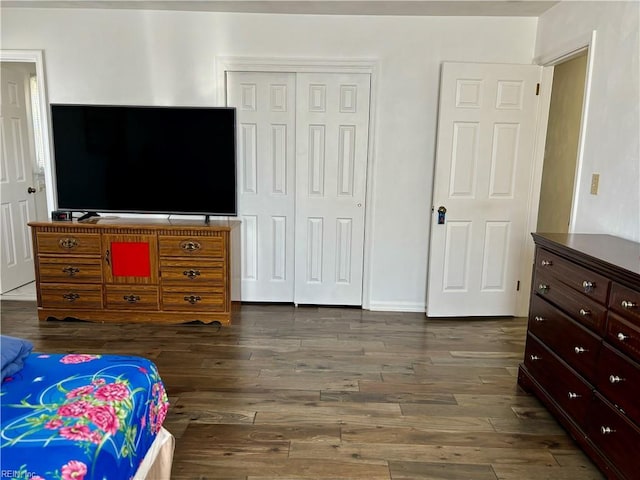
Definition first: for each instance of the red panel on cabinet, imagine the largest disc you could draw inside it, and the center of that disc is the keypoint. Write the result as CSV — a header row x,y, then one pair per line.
x,y
130,259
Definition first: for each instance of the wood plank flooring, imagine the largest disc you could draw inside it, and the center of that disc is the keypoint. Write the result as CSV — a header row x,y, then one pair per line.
x,y
327,393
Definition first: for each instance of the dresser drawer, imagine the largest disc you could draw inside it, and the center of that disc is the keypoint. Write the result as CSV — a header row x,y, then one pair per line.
x,y
179,246
132,297
619,380
70,270
580,307
71,296
188,273
581,279
197,299
624,335
68,243
573,343
625,302
615,435
565,386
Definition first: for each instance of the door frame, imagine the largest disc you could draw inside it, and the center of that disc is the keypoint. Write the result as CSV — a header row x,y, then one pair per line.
x,y
36,57
548,60
224,64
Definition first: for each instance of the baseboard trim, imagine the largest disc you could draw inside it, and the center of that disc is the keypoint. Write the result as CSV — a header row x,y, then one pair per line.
x,y
396,307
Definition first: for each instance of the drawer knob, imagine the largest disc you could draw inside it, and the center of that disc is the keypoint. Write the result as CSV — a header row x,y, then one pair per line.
x,y
588,286
546,263
573,396
628,304
71,271
192,299
622,337
70,297
585,312
606,430
190,246
68,243
131,298
539,319
615,379
535,358
544,288
191,274
579,350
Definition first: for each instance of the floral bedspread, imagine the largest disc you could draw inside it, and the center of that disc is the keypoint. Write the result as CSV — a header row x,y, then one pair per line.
x,y
78,417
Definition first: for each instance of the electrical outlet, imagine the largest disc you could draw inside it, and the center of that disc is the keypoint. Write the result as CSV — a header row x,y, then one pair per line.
x,y
595,179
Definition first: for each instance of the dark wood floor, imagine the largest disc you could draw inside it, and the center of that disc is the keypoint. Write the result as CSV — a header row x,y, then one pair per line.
x,y
327,393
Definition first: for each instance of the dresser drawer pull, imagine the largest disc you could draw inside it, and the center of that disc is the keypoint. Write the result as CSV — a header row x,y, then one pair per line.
x,y
546,263
68,243
585,312
539,319
588,286
192,299
131,298
535,358
628,304
190,246
573,396
622,337
70,297
191,274
606,430
615,379
543,288
579,350
71,271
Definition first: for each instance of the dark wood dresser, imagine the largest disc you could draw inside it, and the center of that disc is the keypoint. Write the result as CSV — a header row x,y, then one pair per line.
x,y
582,355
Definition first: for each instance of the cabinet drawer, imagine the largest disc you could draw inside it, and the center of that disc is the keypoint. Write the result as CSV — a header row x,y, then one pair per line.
x,y
188,273
70,270
573,343
71,296
581,279
179,246
132,297
619,380
69,243
565,386
194,299
626,302
624,335
580,307
615,435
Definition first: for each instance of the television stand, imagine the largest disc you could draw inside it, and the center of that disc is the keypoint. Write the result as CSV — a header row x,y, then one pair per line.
x,y
206,220
88,215
134,270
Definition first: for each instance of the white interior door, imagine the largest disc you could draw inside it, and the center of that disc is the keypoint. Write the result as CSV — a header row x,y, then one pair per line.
x,y
17,206
265,105
332,132
483,171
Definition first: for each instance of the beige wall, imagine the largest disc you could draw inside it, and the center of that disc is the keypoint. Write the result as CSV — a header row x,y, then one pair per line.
x,y
561,149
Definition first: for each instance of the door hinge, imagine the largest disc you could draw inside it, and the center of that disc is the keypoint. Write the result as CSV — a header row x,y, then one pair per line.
x,y
537,89
518,286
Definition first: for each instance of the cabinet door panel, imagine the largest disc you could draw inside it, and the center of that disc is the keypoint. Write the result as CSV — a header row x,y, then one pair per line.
x,y
131,259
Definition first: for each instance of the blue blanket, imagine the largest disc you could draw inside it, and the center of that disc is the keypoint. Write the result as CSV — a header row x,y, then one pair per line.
x,y
79,416
13,351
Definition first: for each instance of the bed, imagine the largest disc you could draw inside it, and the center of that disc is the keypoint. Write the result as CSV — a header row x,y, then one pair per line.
x,y
77,416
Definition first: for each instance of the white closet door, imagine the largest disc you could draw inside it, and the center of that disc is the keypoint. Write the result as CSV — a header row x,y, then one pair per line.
x,y
332,130
265,105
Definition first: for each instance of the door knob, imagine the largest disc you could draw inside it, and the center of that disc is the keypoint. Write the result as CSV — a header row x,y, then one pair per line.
x,y
31,190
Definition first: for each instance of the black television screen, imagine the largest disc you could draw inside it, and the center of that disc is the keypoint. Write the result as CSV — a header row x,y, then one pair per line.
x,y
145,159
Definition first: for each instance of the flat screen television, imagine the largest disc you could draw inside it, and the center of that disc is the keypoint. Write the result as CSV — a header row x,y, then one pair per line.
x,y
131,159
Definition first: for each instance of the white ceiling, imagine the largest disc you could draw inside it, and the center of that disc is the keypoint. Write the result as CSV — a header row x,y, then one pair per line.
x,y
501,8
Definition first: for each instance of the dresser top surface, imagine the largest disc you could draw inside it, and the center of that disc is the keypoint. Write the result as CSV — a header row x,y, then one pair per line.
x,y
605,250
151,223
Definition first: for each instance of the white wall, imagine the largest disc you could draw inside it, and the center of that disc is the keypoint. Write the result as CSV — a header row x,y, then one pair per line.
x,y
167,58
613,127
